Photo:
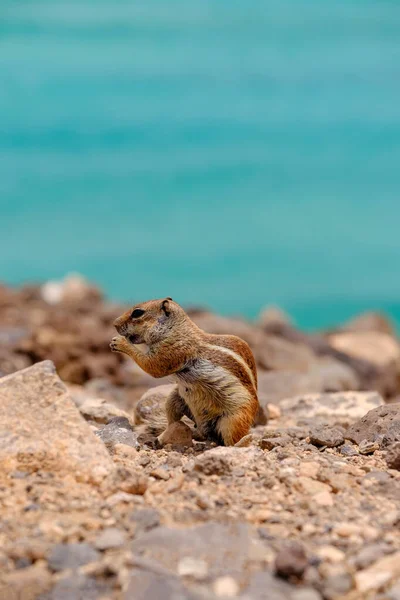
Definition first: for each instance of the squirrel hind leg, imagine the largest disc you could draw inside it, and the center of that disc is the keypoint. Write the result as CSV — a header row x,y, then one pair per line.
x,y
233,427
210,430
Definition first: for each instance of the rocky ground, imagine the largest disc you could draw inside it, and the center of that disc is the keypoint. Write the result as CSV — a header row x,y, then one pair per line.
x,y
307,507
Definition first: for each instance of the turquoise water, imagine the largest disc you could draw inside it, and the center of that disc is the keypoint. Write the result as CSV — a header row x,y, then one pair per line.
x,y
224,153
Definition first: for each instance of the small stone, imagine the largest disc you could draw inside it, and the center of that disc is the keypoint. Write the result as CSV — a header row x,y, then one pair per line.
x,y
101,411
271,443
192,567
146,519
348,450
110,538
368,555
274,411
326,436
335,586
331,554
246,441
393,457
367,447
118,431
210,464
177,434
160,473
225,587
378,574
291,561
71,556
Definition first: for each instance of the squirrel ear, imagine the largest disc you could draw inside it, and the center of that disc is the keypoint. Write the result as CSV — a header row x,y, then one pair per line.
x,y
165,306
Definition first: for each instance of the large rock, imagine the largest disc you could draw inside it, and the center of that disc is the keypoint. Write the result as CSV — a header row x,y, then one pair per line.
x,y
41,429
383,421
370,321
378,352
340,408
152,404
220,548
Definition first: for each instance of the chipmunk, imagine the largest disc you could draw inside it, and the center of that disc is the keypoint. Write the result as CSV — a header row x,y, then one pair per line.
x,y
215,374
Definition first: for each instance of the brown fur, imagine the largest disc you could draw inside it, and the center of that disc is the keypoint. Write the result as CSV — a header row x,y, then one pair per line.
x,y
216,374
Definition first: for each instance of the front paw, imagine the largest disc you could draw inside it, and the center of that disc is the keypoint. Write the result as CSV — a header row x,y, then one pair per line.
x,y
117,344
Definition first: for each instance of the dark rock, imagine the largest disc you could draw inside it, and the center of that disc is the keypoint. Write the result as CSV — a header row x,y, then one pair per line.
x,y
71,556
382,421
291,561
369,554
118,431
393,456
326,436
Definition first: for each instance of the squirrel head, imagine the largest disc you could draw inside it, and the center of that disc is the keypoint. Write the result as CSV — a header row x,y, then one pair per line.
x,y
150,322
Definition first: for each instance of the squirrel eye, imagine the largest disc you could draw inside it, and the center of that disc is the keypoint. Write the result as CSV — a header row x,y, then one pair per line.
x,y
138,312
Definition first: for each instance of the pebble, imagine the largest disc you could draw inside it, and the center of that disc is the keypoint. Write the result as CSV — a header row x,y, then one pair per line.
x,y
367,447
71,556
225,587
177,434
291,560
324,499
326,436
110,538
274,411
331,554
192,567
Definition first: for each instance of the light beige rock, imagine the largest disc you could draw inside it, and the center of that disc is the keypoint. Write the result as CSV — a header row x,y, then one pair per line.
x,y
225,587
341,407
379,574
99,410
378,348
41,429
331,554
152,404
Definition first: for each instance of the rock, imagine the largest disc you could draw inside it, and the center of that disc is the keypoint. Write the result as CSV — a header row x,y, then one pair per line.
x,y
148,585
26,584
77,587
274,386
381,421
367,447
378,575
394,592
118,431
379,353
291,561
348,450
336,585
73,288
177,434
393,456
369,555
276,354
110,538
41,429
223,548
370,321
152,403
225,587
326,436
145,519
274,442
71,556
264,585
192,567
339,408
331,554
274,412
101,411
209,463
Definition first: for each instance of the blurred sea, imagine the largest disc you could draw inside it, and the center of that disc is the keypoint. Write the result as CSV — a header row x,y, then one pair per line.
x,y
224,153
